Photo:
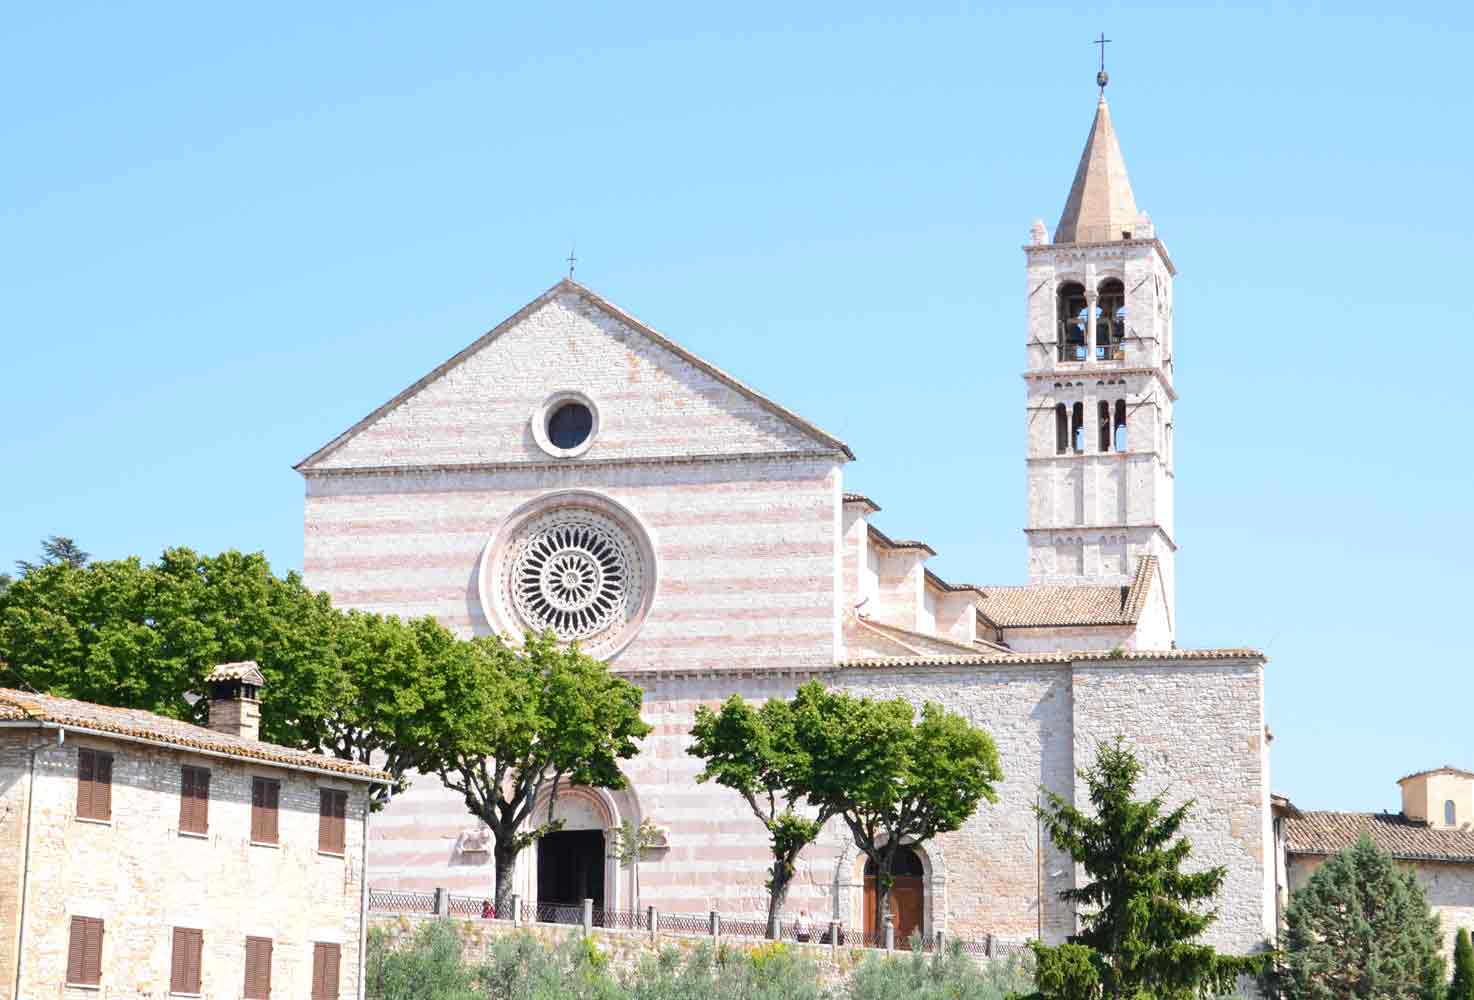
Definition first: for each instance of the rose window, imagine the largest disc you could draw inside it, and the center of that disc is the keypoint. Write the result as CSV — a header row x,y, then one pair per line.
x,y
573,570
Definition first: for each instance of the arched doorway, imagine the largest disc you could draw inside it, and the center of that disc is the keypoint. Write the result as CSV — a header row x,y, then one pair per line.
x,y
908,897
570,869
573,863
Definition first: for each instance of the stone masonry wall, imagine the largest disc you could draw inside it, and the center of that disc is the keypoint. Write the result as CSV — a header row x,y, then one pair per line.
x,y
985,878
14,789
142,877
1198,729
747,553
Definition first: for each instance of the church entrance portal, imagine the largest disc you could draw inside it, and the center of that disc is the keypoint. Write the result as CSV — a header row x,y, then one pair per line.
x,y
570,869
908,897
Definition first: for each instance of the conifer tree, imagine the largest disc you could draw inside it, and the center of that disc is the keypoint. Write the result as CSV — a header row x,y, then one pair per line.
x,y
1361,927
1140,913
1462,987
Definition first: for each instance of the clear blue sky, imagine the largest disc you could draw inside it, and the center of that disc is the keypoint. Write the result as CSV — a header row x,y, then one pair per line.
x,y
229,233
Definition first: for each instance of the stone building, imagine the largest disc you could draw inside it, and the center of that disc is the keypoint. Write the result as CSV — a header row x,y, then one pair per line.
x,y
1433,836
575,469
143,856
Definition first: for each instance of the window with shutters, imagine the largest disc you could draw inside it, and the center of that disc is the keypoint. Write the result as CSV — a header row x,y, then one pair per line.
x,y
194,800
325,958
84,952
331,821
265,795
258,968
94,785
189,946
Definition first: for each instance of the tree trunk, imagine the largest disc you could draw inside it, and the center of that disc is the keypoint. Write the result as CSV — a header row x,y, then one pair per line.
x,y
778,895
882,904
506,861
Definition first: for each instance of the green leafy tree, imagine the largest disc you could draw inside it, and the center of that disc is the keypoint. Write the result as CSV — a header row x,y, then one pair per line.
x,y
756,753
516,721
1462,986
57,549
119,632
631,841
1140,912
894,778
1360,927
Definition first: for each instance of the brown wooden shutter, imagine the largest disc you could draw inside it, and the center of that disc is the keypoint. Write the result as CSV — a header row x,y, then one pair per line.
x,y
331,822
184,975
86,780
94,784
102,787
325,959
194,800
258,968
84,951
75,946
92,952
265,796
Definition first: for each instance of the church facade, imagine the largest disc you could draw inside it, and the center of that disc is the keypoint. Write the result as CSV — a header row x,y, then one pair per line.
x,y
575,469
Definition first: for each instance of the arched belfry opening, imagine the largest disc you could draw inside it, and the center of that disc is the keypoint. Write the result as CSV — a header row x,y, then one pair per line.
x,y
1110,323
1073,314
908,897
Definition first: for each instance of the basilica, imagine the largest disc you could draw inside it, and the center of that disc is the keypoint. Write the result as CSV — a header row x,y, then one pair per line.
x,y
575,469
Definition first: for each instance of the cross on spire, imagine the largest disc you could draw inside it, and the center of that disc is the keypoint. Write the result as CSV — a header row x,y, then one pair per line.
x,y
572,260
1101,78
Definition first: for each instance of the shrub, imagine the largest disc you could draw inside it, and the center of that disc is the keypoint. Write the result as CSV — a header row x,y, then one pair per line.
x,y
429,968
768,972
519,967
947,975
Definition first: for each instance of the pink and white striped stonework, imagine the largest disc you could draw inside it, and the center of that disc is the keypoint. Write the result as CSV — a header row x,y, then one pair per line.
x,y
761,573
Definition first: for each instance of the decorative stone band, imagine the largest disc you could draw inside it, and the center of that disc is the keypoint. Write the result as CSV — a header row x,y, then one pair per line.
x,y
435,469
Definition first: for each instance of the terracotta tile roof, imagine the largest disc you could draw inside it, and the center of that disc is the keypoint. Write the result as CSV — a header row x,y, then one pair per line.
x,y
1411,840
163,731
246,671
1040,606
1446,769
886,541
862,498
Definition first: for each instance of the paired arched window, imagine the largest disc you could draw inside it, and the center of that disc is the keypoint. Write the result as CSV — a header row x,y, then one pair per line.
x,y
1073,315
1069,427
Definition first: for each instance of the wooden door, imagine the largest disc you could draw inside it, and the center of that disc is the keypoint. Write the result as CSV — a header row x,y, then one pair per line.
x,y
908,900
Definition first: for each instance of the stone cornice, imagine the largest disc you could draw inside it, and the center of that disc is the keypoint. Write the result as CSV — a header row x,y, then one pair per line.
x,y
944,661
1086,249
569,465
1075,528
1050,374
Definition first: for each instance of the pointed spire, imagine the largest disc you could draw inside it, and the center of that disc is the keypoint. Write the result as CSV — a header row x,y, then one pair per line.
x,y
1100,207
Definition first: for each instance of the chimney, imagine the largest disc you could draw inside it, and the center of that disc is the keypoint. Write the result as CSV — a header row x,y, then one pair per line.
x,y
235,702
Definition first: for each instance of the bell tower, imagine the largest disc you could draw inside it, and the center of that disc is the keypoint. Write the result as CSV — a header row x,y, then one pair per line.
x,y
1099,381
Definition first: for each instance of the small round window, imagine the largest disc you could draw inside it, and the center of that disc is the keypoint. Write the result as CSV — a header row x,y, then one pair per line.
x,y
570,425
565,424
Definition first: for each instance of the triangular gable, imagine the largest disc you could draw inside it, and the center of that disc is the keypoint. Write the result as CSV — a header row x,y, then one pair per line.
x,y
656,399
